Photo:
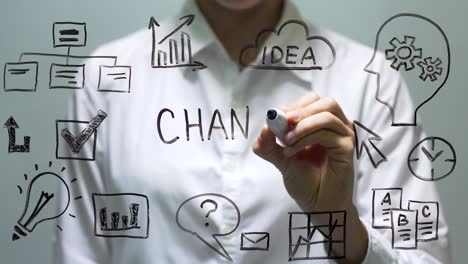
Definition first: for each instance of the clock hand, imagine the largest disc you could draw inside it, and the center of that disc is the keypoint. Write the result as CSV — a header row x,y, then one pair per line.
x,y
426,152
438,154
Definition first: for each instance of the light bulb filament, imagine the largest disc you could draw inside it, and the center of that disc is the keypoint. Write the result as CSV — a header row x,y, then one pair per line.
x,y
43,200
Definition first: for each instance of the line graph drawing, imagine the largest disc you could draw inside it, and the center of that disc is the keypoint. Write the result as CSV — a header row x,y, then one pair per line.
x,y
311,232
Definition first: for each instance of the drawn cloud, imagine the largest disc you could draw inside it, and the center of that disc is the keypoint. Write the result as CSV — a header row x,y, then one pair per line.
x,y
311,53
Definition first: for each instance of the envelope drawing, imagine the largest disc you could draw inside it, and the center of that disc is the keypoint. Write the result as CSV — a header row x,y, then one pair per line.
x,y
255,241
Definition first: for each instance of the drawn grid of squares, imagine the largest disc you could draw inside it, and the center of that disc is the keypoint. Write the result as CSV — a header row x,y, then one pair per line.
x,y
307,238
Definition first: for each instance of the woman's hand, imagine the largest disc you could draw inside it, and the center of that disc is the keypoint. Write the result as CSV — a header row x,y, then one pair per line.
x,y
317,163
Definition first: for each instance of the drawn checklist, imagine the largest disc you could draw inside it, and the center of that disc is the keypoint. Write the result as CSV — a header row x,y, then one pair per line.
x,y
383,201
419,222
428,219
404,228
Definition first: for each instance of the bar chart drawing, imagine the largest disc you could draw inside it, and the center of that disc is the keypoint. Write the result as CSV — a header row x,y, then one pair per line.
x,y
173,50
115,224
121,215
22,76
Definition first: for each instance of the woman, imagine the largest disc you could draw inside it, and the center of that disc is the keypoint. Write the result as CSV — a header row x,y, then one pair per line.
x,y
182,133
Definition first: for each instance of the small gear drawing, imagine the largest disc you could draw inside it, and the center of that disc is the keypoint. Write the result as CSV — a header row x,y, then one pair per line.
x,y
403,53
430,68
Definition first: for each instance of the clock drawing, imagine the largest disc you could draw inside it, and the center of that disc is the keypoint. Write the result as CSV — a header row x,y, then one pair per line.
x,y
432,159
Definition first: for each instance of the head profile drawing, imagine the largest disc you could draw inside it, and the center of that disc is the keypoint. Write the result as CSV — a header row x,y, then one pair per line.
x,y
418,49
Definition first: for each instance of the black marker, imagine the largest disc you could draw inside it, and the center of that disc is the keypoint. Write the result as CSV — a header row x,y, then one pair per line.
x,y
277,122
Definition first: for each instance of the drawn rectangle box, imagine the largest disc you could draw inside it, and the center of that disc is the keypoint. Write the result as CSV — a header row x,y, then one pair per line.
x,y
404,229
255,241
114,79
383,201
121,215
20,76
428,219
67,76
63,150
68,34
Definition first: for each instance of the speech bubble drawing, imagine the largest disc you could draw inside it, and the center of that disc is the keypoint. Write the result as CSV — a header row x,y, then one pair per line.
x,y
202,215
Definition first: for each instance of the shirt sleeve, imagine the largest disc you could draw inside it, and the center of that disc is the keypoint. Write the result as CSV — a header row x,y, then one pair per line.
x,y
396,144
77,243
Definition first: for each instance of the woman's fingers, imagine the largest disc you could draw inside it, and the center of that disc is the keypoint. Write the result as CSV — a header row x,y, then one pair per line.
x,y
326,138
314,123
322,105
301,102
265,147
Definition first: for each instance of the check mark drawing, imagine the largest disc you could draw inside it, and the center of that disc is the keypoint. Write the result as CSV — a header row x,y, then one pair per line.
x,y
78,141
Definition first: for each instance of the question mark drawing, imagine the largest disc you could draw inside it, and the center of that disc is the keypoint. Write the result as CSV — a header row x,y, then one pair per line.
x,y
192,217
210,211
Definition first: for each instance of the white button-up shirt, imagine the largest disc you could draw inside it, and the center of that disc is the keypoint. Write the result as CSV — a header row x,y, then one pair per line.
x,y
132,157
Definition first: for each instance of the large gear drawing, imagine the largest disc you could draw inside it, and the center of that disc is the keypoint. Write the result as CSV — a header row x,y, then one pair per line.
x,y
430,68
403,53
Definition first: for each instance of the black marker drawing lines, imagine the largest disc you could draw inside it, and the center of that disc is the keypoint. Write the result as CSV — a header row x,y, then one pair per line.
x,y
43,202
11,126
77,142
290,56
364,140
255,241
23,75
419,222
177,58
320,229
121,215
403,50
432,159
203,207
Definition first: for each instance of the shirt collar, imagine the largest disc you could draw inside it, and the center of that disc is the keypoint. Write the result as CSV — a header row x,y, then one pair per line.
x,y
202,35
200,31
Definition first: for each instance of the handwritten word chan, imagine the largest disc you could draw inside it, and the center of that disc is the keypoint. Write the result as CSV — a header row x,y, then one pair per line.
x,y
193,122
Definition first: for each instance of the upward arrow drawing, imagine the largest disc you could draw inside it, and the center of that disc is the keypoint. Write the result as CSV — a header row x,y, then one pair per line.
x,y
187,21
11,125
364,138
152,25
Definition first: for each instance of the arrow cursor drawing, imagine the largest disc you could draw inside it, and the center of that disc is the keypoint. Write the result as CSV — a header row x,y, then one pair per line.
x,y
364,139
11,125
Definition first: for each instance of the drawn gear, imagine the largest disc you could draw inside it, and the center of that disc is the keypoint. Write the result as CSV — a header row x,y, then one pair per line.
x,y
430,68
403,53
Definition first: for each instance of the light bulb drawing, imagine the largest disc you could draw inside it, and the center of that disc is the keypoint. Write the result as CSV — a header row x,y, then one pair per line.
x,y
43,201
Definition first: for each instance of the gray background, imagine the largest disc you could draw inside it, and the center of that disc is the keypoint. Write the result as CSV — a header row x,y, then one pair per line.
x,y
25,25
